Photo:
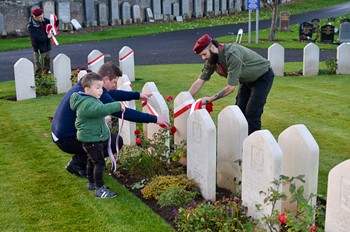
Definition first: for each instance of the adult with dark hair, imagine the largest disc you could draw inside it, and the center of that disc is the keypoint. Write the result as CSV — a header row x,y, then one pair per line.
x,y
40,40
63,129
242,67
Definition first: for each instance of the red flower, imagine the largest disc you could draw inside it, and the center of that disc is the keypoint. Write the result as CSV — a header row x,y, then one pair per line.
x,y
138,141
169,98
314,228
209,107
137,132
282,218
173,129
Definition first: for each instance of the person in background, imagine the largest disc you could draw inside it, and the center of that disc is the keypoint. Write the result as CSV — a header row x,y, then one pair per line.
x,y
63,130
41,42
243,68
92,130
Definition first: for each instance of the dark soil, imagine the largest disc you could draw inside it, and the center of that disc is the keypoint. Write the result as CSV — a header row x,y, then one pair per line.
x,y
167,213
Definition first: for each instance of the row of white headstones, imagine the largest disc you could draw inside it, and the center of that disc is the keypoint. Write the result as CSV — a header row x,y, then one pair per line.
x,y
213,153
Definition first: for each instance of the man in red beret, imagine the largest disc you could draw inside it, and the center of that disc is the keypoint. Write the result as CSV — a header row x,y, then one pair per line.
x,y
242,67
41,42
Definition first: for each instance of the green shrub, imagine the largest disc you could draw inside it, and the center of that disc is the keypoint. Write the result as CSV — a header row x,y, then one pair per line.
x,y
45,85
176,197
160,184
224,215
331,65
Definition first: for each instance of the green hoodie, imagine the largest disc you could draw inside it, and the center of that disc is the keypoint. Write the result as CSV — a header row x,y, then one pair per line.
x,y
91,112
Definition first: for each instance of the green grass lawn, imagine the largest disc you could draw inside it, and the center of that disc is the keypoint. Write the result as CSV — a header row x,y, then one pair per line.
x,y
41,195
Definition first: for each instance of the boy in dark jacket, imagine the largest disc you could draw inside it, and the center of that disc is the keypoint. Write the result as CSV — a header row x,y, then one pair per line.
x,y
41,42
92,129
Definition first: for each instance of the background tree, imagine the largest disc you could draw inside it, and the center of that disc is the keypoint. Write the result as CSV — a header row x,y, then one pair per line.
x,y
273,5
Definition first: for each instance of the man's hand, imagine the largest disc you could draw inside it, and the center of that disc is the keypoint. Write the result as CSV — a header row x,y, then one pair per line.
x,y
49,35
161,120
145,96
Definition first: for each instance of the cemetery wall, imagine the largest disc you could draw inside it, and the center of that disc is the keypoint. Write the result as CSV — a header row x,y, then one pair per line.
x,y
17,12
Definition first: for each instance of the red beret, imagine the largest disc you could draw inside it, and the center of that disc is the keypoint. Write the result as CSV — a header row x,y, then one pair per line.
x,y
202,43
37,12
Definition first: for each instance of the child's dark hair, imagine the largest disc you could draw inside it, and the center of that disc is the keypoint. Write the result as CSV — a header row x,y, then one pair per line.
x,y
88,78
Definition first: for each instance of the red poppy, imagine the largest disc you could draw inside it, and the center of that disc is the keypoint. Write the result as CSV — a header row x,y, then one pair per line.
x,y
209,107
173,129
137,132
282,218
314,228
138,141
169,98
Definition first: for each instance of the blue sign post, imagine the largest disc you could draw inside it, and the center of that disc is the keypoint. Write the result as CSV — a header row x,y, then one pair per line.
x,y
253,5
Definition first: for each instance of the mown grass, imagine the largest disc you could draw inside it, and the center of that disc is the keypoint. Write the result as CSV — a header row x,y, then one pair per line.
x,y
125,31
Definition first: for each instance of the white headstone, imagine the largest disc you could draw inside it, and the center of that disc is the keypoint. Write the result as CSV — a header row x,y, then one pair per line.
x,y
275,54
344,33
201,152
149,15
338,198
209,8
128,128
76,24
123,80
114,10
238,5
63,15
223,6
149,87
185,9
311,61
231,6
217,7
343,57
167,10
232,131
90,18
261,164
136,14
182,106
127,63
48,8
95,60
62,72
300,157
126,13
156,7
197,9
102,14
24,79
176,9
81,74
156,105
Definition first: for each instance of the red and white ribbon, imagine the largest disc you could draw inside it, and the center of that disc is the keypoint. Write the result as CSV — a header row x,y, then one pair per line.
x,y
97,59
152,111
114,157
197,106
53,22
182,108
48,31
126,56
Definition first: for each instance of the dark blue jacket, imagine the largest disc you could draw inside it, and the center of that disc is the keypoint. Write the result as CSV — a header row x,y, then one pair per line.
x,y
38,35
63,121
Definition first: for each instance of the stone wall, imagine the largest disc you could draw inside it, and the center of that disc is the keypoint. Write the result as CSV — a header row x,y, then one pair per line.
x,y
14,14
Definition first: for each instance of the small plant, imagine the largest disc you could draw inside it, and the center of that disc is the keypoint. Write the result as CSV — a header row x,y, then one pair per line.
x,y
331,65
227,214
301,220
177,197
161,184
45,84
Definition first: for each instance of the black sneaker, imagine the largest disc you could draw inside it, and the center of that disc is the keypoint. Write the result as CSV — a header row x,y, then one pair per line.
x,y
104,192
76,170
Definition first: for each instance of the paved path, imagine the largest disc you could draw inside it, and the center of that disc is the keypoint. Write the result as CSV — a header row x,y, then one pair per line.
x,y
166,48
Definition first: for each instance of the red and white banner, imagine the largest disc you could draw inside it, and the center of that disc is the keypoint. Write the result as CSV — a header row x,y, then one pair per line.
x,y
51,28
126,56
182,108
53,22
94,61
